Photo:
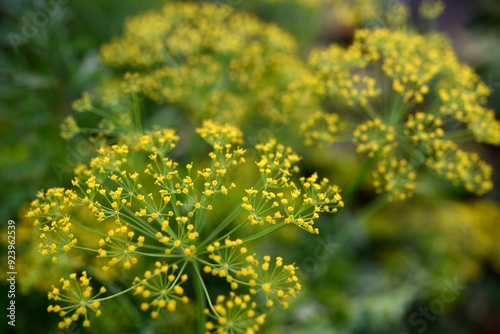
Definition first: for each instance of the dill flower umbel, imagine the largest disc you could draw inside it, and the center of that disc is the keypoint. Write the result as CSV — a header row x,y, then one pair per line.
x,y
410,98
77,292
213,61
150,212
431,9
237,315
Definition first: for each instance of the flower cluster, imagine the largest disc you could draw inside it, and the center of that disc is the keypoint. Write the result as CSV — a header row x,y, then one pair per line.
x,y
236,315
54,224
402,98
281,201
233,262
395,177
321,128
215,133
145,206
373,136
389,78
163,290
431,9
76,294
210,60
365,12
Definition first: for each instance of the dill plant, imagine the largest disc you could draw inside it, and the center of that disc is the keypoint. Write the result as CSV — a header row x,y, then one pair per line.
x,y
409,104
153,217
393,93
402,97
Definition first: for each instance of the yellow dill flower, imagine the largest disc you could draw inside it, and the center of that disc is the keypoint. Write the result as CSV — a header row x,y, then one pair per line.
x,y
460,167
119,246
52,219
431,9
354,13
227,258
162,287
224,105
374,136
184,28
215,133
276,163
143,206
110,159
281,201
276,281
237,314
74,299
395,177
423,128
320,129
69,128
429,100
159,141
334,66
305,3
84,103
397,14
215,62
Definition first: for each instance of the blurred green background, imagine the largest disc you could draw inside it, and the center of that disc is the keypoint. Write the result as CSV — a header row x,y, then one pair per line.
x,y
379,276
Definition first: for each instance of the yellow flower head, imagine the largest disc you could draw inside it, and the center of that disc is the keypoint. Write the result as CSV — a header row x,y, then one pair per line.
x,y
236,314
161,288
431,9
77,297
215,62
320,129
410,96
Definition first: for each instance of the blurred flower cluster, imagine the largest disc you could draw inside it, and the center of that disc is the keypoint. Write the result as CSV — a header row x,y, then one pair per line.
x,y
212,60
408,101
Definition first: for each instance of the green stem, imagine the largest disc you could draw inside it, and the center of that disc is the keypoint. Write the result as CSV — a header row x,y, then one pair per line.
x,y
124,301
88,228
137,223
85,249
155,255
137,112
370,111
199,291
395,109
265,232
201,222
101,113
89,130
229,218
458,134
119,293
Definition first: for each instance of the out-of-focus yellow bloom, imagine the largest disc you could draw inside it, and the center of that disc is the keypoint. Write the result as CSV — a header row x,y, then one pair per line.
x,y
212,60
431,9
413,97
